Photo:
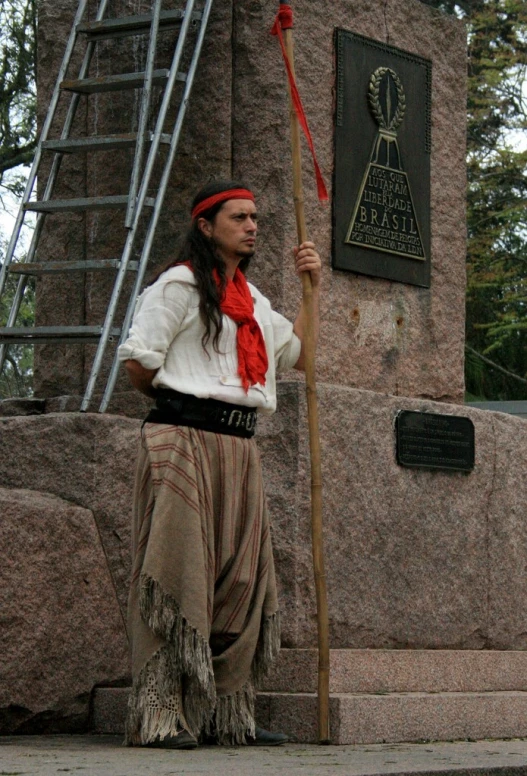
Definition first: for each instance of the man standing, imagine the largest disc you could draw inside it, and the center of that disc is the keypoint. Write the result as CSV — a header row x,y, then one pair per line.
x,y
203,609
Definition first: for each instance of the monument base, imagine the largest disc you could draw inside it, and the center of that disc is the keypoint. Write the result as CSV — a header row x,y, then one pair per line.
x,y
425,569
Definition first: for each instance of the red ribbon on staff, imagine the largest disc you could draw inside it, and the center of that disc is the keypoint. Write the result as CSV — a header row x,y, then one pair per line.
x,y
284,21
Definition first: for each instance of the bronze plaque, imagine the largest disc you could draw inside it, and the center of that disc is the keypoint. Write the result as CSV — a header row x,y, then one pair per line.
x,y
381,194
429,440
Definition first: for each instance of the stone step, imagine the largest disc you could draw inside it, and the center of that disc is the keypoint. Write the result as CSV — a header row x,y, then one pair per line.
x,y
399,717
382,696
366,719
401,670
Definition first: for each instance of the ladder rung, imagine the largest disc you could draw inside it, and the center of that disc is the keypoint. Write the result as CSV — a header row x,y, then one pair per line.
x,y
94,143
42,334
42,268
115,83
83,203
132,25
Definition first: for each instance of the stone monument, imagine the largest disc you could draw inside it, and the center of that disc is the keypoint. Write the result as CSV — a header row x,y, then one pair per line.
x,y
425,568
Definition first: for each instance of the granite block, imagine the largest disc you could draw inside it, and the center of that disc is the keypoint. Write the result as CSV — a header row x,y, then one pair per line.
x,y
393,718
401,671
410,553
507,534
86,459
431,717
204,152
375,334
62,629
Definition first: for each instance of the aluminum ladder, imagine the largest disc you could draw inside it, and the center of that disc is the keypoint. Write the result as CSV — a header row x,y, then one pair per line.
x,y
147,144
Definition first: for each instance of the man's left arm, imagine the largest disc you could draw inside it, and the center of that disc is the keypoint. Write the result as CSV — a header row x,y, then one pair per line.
x,y
307,260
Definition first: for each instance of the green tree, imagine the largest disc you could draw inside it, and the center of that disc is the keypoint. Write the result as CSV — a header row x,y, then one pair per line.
x,y
496,364
18,19
497,199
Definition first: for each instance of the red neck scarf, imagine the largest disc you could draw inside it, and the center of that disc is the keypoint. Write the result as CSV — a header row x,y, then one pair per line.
x,y
238,304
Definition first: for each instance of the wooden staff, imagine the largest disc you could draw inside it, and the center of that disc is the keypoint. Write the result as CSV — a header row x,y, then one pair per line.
x,y
312,413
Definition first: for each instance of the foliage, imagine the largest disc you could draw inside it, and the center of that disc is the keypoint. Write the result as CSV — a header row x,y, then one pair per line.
x,y
18,19
497,196
454,6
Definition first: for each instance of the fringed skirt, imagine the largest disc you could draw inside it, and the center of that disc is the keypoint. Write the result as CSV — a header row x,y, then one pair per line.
x,y
203,611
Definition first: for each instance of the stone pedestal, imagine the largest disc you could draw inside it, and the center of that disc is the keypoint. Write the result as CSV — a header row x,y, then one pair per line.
x,y
424,569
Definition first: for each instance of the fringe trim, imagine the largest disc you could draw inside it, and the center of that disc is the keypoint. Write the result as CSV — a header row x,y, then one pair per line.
x,y
153,724
267,649
185,660
144,722
192,655
234,717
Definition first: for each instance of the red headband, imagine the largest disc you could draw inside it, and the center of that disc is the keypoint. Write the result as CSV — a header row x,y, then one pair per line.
x,y
223,196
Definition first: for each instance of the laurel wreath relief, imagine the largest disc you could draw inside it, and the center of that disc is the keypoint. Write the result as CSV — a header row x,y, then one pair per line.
x,y
387,122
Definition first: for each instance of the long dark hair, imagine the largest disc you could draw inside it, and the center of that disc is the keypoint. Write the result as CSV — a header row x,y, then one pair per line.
x,y
201,252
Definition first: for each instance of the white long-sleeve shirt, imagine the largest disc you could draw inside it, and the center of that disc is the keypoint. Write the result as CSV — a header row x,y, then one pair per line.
x,y
166,334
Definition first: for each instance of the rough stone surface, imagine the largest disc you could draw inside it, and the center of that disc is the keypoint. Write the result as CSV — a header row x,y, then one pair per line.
x,y
507,534
415,559
58,367
131,404
375,334
88,460
62,630
473,674
109,705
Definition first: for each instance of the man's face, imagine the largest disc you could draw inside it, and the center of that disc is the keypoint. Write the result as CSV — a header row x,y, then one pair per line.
x,y
233,229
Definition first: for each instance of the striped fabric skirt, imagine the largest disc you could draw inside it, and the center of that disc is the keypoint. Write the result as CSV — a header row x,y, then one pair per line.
x,y
203,611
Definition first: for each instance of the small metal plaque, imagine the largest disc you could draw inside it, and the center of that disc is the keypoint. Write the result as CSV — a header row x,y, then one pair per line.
x,y
432,441
381,198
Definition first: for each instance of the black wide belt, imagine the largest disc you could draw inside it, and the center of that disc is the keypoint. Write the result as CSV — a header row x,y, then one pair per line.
x,y
182,409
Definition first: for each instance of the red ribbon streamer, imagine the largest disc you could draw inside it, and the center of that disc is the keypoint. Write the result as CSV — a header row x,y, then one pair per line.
x,y
284,20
